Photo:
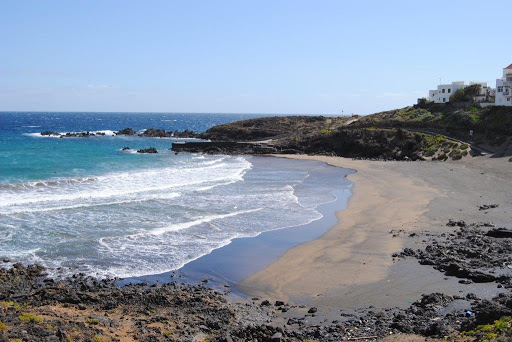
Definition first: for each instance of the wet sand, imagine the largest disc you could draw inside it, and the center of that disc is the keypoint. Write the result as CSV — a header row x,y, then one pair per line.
x,y
224,267
351,266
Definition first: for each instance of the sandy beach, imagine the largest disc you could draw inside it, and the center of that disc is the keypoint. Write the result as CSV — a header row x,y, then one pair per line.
x,y
352,265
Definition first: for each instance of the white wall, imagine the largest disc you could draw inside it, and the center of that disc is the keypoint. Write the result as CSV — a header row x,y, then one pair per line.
x,y
438,96
504,89
503,92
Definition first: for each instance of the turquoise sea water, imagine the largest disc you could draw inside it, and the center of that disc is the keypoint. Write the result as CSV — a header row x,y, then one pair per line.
x,y
84,205
23,157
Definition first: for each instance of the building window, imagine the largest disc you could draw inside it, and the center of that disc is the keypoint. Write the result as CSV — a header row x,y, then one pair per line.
x,y
500,89
444,99
449,90
443,91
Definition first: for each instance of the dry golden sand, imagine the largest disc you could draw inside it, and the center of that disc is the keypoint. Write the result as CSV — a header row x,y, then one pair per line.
x,y
352,266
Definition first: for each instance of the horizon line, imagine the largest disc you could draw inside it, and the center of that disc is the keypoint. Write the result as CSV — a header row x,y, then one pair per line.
x,y
121,112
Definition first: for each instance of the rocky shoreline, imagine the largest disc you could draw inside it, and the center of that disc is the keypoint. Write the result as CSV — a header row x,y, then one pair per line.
x,y
81,308
475,252
148,133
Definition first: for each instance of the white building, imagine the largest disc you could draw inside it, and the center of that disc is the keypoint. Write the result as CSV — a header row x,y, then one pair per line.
x,y
504,88
486,93
444,91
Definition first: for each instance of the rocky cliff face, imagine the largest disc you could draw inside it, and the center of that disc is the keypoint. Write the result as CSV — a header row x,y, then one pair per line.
x,y
271,127
361,143
314,135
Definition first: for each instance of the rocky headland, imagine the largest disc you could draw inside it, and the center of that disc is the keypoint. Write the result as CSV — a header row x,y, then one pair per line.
x,y
427,132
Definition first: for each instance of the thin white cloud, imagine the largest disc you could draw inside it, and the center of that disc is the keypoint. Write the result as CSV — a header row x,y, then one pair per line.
x,y
99,86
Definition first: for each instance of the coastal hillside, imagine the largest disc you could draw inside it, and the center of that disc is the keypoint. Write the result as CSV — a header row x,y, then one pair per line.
x,y
276,127
490,125
427,132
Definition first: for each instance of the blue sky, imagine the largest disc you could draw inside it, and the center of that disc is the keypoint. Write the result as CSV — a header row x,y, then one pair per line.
x,y
244,56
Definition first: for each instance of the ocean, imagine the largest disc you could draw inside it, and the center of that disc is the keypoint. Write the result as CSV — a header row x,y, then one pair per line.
x,y
85,205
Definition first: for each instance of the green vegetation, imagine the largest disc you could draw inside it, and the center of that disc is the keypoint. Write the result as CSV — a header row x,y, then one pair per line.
x,y
415,132
3,327
434,143
442,157
93,321
268,127
467,94
26,317
7,304
16,340
456,118
499,328
99,338
168,333
456,154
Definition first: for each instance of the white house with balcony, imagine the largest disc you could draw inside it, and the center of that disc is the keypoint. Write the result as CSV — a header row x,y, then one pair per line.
x,y
504,88
486,94
444,91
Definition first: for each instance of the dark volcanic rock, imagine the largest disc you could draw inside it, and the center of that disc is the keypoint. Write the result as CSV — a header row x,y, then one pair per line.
x,y
191,308
500,233
78,135
126,131
452,223
223,147
324,136
156,133
161,133
100,306
185,134
384,144
50,133
488,206
148,150
473,253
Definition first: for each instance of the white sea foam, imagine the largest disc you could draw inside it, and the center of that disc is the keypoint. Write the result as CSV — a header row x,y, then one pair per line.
x,y
105,132
101,204
116,185
152,220
185,225
38,135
